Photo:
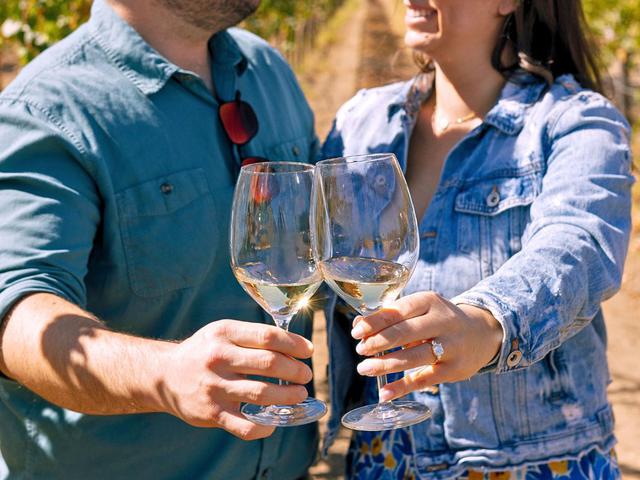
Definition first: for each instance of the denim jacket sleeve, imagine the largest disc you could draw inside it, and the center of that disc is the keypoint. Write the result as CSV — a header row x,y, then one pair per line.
x,y
574,247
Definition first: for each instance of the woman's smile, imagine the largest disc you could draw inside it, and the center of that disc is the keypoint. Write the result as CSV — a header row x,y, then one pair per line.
x,y
423,19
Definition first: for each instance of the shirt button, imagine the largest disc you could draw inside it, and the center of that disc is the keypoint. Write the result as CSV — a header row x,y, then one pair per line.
x,y
493,198
166,188
514,358
295,150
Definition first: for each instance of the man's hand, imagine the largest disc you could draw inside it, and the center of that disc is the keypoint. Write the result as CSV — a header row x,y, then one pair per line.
x,y
71,359
205,378
471,337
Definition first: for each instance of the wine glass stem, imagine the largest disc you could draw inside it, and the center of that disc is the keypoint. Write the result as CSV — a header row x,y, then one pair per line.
x,y
283,322
381,381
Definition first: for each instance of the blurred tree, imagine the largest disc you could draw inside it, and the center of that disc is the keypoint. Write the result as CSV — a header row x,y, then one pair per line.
x,y
616,24
33,25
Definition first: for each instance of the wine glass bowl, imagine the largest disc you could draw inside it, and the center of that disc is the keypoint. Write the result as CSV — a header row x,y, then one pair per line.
x,y
272,259
366,244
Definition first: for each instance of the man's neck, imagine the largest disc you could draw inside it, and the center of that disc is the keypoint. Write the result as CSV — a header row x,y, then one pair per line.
x,y
179,42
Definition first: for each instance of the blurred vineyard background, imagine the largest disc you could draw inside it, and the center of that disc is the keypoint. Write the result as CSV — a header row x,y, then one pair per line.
x,y
29,26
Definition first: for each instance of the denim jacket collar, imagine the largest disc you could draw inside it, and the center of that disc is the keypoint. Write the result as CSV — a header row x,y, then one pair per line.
x,y
507,115
141,63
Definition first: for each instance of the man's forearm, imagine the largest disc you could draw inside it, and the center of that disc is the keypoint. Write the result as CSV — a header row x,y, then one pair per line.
x,y
72,360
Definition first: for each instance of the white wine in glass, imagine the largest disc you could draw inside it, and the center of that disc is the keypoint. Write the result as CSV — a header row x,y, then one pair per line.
x,y
366,243
272,258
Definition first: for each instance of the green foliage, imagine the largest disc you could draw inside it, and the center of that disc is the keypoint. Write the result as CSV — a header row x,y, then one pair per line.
x,y
279,20
616,24
33,25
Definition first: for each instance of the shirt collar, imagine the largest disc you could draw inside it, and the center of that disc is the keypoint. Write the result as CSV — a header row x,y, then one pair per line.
x,y
411,95
140,62
520,92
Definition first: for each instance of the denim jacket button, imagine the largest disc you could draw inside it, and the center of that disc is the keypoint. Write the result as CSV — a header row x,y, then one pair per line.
x,y
514,358
493,198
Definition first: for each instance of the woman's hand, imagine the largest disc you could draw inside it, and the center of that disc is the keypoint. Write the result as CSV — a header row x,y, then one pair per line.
x,y
471,337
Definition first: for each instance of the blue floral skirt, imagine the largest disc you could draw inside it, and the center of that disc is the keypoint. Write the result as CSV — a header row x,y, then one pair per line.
x,y
388,455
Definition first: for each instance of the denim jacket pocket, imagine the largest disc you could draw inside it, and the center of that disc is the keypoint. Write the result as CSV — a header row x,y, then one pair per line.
x,y
163,221
491,215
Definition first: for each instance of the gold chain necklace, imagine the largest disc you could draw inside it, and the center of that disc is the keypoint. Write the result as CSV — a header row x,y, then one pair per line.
x,y
443,124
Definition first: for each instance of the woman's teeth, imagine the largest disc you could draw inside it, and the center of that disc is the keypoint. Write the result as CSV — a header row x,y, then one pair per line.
x,y
420,12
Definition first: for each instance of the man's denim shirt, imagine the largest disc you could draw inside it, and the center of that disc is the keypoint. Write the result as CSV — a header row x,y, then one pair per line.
x,y
530,221
116,181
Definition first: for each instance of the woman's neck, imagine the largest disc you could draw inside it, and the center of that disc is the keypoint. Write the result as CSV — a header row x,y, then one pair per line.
x,y
466,88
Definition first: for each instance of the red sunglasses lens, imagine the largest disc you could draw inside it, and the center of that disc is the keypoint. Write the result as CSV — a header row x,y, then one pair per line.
x,y
264,187
252,160
239,121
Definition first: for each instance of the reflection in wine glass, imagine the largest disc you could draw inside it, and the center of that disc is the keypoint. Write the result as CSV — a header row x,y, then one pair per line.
x,y
366,243
271,257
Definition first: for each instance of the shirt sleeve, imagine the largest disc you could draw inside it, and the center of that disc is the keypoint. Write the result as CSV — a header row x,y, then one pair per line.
x,y
575,245
49,207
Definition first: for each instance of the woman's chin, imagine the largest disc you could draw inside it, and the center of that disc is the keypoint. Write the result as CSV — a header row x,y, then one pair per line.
x,y
420,41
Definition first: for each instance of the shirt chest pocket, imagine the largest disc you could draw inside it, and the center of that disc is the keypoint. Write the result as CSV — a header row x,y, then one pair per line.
x,y
296,150
491,215
169,232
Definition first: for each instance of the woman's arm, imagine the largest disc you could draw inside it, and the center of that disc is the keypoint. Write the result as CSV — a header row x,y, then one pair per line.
x,y
572,258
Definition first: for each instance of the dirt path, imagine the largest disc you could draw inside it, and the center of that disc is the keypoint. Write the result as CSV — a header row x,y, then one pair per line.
x,y
623,323
368,52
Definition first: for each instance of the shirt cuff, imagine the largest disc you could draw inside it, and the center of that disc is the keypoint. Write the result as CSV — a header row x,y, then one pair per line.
x,y
17,291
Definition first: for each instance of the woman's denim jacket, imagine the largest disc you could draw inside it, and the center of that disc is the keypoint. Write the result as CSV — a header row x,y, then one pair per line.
x,y
531,221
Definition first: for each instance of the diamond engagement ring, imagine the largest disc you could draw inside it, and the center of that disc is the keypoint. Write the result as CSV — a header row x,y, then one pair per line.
x,y
437,349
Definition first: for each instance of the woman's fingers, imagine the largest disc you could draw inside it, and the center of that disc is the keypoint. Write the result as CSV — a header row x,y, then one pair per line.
x,y
410,306
400,334
418,380
398,361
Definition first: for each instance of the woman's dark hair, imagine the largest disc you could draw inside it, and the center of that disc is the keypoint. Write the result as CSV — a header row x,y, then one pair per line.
x,y
551,38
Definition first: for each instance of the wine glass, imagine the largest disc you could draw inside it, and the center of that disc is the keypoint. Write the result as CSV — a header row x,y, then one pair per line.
x,y
366,243
272,258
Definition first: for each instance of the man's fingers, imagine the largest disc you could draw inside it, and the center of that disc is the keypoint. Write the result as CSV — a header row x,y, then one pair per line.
x,y
398,361
251,361
418,380
237,425
264,393
267,337
410,306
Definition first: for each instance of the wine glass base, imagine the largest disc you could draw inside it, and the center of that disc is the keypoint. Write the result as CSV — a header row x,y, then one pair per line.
x,y
308,411
386,416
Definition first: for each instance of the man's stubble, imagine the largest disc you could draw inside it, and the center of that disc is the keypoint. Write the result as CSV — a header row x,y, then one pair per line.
x,y
211,15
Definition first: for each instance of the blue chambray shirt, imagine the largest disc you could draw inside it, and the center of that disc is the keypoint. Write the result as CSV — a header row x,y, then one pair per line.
x,y
116,181
530,220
